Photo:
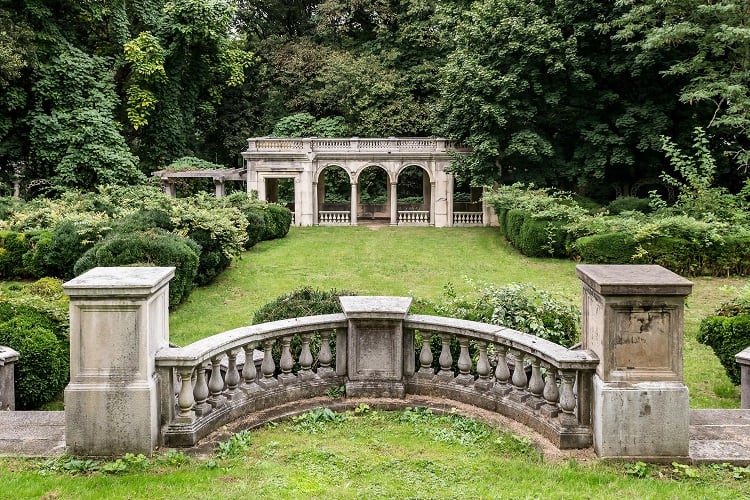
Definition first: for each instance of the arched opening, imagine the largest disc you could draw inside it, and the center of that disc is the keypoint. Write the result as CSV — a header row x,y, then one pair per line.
x,y
467,203
414,195
373,193
334,196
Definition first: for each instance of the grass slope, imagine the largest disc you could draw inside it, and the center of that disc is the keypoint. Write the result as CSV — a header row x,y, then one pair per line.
x,y
418,262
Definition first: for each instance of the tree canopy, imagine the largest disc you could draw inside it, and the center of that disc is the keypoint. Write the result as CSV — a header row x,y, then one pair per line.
x,y
576,94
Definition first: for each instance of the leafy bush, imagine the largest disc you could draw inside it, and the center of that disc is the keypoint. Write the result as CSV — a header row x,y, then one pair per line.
x,y
254,212
277,221
728,332
219,230
606,248
149,248
519,306
629,204
34,322
13,246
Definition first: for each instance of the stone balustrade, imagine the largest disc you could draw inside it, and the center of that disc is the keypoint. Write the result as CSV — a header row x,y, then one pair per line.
x,y
468,218
8,358
743,358
421,217
334,217
622,392
354,144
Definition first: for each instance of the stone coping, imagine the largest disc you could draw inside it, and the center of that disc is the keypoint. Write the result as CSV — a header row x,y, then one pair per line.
x,y
128,282
376,307
743,357
633,279
7,355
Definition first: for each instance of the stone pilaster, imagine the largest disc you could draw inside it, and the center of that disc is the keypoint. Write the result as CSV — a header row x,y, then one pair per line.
x,y
118,321
8,358
633,321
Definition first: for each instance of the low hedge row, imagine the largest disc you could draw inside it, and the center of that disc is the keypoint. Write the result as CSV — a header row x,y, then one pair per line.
x,y
532,236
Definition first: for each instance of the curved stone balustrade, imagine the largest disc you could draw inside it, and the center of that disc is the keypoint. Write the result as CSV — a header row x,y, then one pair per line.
x,y
549,395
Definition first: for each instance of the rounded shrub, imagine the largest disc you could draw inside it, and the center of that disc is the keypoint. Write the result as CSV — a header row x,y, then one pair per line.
x,y
727,336
277,220
36,261
13,246
143,220
148,248
606,248
629,203
541,238
43,367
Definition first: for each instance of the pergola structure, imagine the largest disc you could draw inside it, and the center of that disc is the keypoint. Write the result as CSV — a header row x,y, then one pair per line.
x,y
304,160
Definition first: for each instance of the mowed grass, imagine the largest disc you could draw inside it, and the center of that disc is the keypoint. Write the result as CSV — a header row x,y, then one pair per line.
x,y
378,455
419,262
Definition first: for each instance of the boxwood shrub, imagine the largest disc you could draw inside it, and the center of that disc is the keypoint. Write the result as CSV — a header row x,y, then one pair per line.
x,y
13,246
277,221
629,203
727,336
606,248
150,248
34,322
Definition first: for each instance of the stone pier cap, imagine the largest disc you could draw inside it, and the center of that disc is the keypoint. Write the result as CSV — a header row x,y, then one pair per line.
x,y
7,355
364,307
631,279
119,281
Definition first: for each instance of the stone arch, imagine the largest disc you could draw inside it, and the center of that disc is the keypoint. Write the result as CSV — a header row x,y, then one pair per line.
x,y
375,204
333,195
414,195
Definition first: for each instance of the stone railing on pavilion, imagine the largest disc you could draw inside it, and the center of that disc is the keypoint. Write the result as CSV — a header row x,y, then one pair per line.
x,y
354,144
468,218
414,217
334,217
622,392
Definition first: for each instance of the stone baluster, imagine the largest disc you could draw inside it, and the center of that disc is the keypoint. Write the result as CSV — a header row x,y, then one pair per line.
x,y
551,394
249,372
425,356
200,391
185,399
445,359
306,358
464,363
502,372
286,363
536,385
567,398
325,356
520,380
216,383
483,367
268,367
233,375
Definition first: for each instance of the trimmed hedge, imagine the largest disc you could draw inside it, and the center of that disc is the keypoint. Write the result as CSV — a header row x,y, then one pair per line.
x,y
606,248
277,221
727,336
149,248
34,322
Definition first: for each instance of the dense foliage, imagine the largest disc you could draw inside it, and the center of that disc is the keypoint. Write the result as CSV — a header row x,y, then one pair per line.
x,y
34,322
728,332
570,93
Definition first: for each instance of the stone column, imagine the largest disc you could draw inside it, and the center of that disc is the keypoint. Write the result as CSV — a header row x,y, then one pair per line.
x,y
378,351
743,359
633,321
394,203
169,187
316,203
353,216
8,358
219,187
118,321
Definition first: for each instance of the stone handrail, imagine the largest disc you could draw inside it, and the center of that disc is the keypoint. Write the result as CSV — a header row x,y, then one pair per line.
x,y
208,383
414,216
334,217
743,359
316,145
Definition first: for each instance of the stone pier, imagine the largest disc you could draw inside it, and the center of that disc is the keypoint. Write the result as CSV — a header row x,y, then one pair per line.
x,y
633,320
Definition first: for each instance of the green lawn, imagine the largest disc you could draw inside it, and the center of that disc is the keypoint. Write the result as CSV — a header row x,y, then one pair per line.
x,y
368,454
418,262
